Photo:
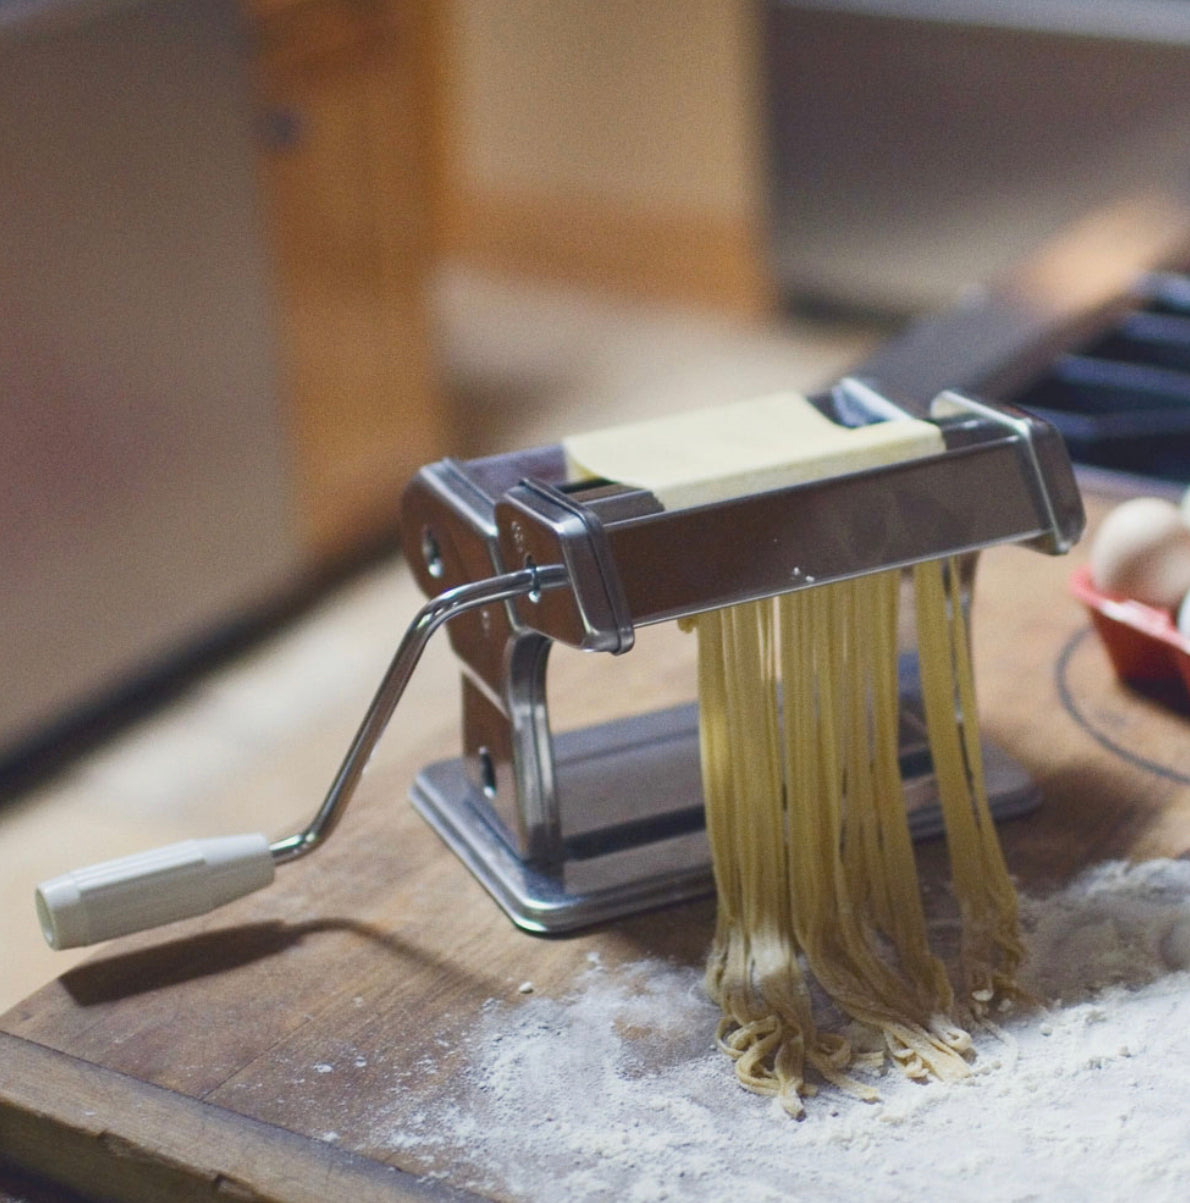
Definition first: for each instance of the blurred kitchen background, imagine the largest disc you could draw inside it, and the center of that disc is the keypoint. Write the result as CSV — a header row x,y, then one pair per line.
x,y
261,259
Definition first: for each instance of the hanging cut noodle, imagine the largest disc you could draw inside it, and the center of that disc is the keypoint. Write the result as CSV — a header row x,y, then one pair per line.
x,y
992,948
810,837
806,814
753,970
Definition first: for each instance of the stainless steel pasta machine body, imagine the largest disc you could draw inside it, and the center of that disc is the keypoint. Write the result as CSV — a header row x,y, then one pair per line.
x,y
571,830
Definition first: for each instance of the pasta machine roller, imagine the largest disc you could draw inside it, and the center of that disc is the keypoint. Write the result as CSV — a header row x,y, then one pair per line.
x,y
519,552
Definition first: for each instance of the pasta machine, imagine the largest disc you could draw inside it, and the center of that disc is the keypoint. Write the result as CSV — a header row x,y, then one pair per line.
x,y
517,553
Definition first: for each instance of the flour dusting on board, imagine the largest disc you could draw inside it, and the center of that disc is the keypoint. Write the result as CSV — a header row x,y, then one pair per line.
x,y
615,1092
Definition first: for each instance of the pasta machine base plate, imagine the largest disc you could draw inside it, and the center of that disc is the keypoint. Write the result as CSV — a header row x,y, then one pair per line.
x,y
633,830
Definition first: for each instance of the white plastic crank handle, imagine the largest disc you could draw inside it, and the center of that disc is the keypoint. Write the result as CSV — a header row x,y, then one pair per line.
x,y
136,892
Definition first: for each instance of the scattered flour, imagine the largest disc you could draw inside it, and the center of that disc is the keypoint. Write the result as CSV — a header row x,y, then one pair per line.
x,y
615,1091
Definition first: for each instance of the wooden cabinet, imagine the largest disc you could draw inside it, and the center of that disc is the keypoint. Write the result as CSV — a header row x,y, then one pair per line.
x,y
344,92
616,146
217,361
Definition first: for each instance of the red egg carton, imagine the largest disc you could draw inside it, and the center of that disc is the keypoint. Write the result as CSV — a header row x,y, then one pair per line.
x,y
1142,642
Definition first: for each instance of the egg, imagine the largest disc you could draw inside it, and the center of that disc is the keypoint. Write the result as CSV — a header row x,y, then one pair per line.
x,y
1142,551
1183,619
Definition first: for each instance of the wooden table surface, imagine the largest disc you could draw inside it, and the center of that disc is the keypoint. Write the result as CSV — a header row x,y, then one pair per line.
x,y
172,1065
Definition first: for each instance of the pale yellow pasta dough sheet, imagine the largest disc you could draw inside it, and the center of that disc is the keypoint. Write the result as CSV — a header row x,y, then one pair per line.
x,y
712,455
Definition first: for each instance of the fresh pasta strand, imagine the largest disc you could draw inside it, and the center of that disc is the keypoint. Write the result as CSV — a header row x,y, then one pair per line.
x,y
753,971
828,766
813,857
992,948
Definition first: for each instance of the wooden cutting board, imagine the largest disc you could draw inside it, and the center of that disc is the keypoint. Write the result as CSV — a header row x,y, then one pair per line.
x,y
185,1063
